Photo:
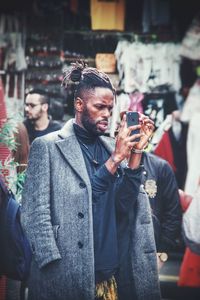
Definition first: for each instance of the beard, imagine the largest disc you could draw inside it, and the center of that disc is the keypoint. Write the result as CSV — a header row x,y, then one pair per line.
x,y
89,124
34,118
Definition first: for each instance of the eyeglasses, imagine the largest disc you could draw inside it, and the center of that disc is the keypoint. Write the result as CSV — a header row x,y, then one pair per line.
x,y
32,105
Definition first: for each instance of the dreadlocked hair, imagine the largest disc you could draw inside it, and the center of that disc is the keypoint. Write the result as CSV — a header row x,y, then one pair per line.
x,y
85,78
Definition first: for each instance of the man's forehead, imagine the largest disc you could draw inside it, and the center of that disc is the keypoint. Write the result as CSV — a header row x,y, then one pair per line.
x,y
33,98
100,93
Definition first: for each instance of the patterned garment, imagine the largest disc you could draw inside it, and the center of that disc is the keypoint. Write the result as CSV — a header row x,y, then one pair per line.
x,y
107,290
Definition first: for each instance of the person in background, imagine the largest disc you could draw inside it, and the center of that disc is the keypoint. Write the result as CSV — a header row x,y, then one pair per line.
x,y
15,290
189,273
21,151
38,122
162,190
83,209
161,187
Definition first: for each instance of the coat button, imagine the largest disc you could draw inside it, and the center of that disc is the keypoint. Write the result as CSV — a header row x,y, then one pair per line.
x,y
80,215
33,248
144,172
82,185
80,245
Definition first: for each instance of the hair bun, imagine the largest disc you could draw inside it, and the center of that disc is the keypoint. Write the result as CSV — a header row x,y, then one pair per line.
x,y
76,75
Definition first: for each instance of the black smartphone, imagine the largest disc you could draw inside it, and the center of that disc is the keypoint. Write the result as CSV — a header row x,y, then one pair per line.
x,y
132,118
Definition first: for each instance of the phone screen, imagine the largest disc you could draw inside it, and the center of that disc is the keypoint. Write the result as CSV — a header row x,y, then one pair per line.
x,y
132,118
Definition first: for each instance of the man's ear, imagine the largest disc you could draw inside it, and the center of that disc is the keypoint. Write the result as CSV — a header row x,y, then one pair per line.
x,y
79,104
45,106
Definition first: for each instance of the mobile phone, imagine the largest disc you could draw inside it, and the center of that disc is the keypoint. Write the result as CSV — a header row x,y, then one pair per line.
x,y
132,118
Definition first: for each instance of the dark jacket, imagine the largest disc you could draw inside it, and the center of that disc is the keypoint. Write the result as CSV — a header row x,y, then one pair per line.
x,y
160,184
33,133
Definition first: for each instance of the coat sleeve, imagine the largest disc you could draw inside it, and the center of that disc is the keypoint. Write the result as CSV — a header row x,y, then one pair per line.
x,y
36,214
171,212
128,190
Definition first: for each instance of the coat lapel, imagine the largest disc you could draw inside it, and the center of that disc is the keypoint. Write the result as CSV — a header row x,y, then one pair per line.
x,y
71,151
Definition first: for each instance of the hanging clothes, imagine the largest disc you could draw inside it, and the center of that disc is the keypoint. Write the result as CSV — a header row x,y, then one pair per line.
x,y
192,102
107,15
155,13
125,102
190,270
190,46
122,104
164,150
147,66
173,149
191,114
193,148
136,102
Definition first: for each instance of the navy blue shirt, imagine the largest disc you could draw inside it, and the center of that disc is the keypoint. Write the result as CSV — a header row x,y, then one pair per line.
x,y
112,197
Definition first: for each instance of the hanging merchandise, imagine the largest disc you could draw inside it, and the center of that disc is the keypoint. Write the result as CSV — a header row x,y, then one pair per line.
x,y
170,144
154,109
156,14
193,147
125,102
14,103
146,67
190,46
106,62
14,56
190,114
107,15
45,62
192,103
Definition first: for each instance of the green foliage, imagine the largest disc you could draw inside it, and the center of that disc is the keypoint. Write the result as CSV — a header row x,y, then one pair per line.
x,y
7,134
8,168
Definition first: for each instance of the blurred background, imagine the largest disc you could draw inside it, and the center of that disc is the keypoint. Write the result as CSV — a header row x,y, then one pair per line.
x,y
149,48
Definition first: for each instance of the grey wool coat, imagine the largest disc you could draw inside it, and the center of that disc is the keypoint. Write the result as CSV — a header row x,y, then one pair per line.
x,y
57,219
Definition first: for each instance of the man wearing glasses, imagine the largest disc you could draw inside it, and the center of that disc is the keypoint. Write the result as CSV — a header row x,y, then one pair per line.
x,y
37,120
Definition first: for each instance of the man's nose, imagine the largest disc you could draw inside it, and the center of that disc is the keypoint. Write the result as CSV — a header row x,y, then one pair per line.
x,y
106,113
26,108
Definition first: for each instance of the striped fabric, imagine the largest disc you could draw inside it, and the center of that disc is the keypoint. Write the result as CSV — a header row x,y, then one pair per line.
x,y
107,290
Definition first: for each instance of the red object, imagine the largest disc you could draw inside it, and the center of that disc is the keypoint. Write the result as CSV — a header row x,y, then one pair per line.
x,y
185,200
164,150
190,270
4,151
3,288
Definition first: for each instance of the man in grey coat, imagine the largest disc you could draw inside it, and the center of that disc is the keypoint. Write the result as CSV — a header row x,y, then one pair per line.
x,y
84,212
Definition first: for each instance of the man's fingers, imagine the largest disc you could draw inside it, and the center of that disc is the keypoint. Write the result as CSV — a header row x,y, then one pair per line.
x,y
123,123
133,137
149,123
132,128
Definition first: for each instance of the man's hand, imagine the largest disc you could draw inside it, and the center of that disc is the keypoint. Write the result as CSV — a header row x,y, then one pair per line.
x,y
124,141
162,257
147,128
159,263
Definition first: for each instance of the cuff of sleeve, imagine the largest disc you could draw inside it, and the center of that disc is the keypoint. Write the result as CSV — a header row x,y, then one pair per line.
x,y
46,260
105,174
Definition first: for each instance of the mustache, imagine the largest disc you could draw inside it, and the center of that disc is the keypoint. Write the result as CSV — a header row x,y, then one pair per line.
x,y
103,120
